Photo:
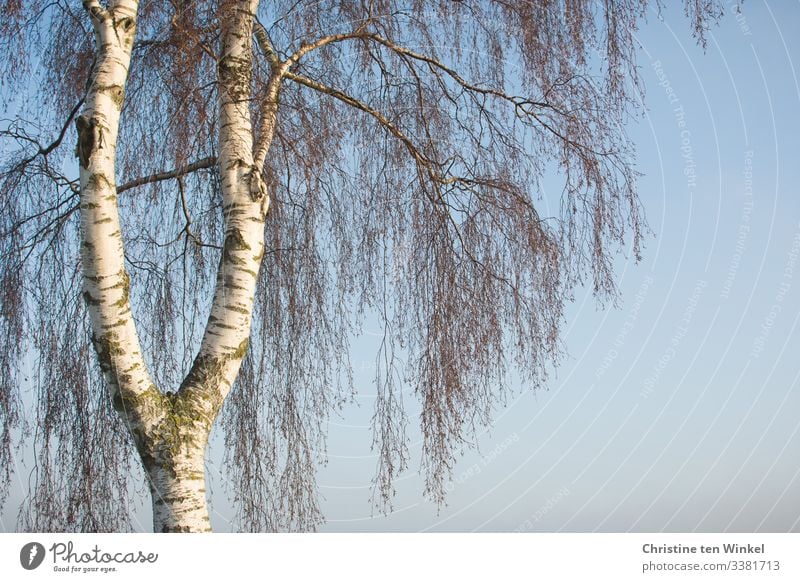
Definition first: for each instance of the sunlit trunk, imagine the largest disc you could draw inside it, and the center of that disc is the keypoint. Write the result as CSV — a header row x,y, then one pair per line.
x,y
105,283
177,482
177,448
170,431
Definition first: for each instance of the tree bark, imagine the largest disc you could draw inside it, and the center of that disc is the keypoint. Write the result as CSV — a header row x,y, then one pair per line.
x,y
171,430
179,495
244,206
106,285
168,432
174,461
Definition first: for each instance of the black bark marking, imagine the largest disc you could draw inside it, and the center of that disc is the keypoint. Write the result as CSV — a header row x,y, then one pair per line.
x,y
87,297
86,139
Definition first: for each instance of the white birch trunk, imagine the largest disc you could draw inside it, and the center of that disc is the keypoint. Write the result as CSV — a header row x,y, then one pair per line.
x,y
178,491
161,427
106,284
171,431
245,204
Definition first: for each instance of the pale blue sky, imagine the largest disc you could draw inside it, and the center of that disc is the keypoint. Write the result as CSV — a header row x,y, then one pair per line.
x,y
708,438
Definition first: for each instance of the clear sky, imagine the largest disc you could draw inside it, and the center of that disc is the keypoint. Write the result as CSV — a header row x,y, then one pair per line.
x,y
678,409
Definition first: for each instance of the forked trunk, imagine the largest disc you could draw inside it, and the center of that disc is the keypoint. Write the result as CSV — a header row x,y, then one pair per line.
x,y
172,453
171,430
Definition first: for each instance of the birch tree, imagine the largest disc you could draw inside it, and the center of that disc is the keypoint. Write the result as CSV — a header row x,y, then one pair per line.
x,y
202,202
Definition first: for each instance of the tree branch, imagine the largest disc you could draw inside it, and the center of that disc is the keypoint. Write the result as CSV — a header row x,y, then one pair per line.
x,y
321,42
161,176
436,64
423,163
269,106
353,102
522,106
43,151
262,39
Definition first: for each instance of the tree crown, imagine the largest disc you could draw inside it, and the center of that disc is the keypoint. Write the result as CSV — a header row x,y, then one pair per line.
x,y
406,175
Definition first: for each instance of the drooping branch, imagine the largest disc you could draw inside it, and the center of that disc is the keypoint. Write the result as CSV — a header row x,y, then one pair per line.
x,y
360,105
524,107
437,65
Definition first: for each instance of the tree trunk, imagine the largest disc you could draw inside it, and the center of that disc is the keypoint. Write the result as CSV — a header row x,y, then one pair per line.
x,y
178,485
173,454
171,430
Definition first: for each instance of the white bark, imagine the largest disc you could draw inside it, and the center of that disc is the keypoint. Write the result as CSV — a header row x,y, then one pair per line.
x,y
178,493
170,439
245,203
106,283
171,431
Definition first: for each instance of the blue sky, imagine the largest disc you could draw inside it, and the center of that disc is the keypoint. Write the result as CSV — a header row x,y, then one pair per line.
x,y
676,410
